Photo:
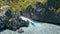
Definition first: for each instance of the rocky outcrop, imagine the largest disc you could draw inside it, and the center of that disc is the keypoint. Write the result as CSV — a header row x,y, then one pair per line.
x,y
41,13
11,21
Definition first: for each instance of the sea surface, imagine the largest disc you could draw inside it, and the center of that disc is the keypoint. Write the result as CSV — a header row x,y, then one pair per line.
x,y
35,28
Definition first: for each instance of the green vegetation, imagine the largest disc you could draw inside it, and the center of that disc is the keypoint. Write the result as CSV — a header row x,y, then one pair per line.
x,y
17,5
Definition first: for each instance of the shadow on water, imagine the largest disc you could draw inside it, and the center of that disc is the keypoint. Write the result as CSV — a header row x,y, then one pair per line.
x,y
49,22
2,29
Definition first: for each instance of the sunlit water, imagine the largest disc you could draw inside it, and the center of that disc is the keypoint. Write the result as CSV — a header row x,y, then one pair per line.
x,y
36,28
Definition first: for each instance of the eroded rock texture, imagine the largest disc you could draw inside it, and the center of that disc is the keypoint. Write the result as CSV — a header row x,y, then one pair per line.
x,y
11,21
42,13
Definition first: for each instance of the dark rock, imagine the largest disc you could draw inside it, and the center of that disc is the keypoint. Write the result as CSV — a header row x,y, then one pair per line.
x,y
20,31
14,24
42,13
8,13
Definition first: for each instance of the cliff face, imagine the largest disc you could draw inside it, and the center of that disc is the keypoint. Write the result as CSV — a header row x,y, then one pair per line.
x,y
41,13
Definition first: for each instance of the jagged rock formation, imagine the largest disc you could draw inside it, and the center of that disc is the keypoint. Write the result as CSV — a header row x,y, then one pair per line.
x,y
41,13
11,21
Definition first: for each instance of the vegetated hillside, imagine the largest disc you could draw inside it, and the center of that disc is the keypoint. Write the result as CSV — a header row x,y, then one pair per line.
x,y
17,5
40,10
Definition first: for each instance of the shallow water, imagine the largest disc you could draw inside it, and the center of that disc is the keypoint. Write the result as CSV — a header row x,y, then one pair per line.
x,y
37,28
